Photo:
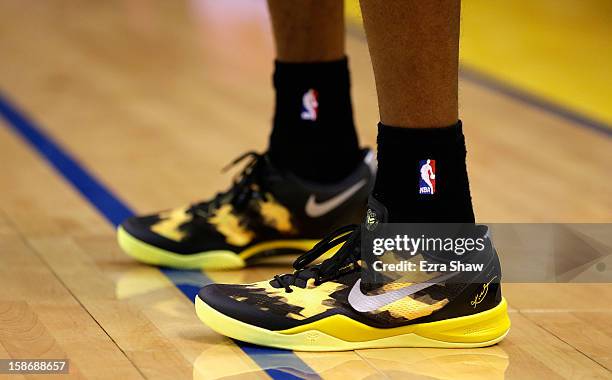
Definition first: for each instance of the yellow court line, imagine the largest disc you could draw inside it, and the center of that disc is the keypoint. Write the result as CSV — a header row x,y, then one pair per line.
x,y
559,51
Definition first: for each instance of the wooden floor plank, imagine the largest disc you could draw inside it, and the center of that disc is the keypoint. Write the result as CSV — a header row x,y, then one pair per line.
x,y
39,318
588,332
422,363
536,353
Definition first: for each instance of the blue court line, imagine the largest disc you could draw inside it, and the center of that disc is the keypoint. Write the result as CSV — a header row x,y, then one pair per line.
x,y
494,84
278,364
103,200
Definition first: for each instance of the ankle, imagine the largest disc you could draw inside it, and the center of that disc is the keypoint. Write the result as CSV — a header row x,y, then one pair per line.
x,y
422,174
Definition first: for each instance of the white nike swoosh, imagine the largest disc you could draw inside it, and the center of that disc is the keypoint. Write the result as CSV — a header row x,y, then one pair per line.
x,y
314,209
364,303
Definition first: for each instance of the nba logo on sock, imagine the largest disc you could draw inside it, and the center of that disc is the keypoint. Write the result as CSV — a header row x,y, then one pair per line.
x,y
427,179
310,105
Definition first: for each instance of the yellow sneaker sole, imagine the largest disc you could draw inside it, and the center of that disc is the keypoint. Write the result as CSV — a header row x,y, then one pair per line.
x,y
209,260
340,333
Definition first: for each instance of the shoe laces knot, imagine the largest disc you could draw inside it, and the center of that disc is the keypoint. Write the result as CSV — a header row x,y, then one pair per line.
x,y
245,186
343,261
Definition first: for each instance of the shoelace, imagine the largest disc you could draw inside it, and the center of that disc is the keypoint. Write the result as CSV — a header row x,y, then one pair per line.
x,y
241,190
338,264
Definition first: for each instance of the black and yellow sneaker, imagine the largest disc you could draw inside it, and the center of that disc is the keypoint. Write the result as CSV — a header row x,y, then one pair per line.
x,y
327,307
266,212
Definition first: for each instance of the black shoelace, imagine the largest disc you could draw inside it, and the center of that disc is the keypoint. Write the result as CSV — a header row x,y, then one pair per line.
x,y
245,186
342,262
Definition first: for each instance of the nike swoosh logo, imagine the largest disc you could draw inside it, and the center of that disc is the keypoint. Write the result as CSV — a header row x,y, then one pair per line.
x,y
364,303
314,209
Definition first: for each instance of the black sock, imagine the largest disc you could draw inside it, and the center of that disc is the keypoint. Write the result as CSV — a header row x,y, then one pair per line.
x,y
402,157
318,141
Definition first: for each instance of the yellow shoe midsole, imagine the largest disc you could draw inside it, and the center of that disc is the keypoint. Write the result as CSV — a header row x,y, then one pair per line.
x,y
214,259
479,327
338,333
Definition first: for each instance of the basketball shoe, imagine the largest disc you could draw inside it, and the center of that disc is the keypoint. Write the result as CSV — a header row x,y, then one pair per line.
x,y
327,307
265,212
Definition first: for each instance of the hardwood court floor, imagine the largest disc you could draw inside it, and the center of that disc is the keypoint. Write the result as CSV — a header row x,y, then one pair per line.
x,y
153,98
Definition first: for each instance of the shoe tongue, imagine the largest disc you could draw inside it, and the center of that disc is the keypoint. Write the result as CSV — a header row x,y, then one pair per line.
x,y
376,213
376,225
